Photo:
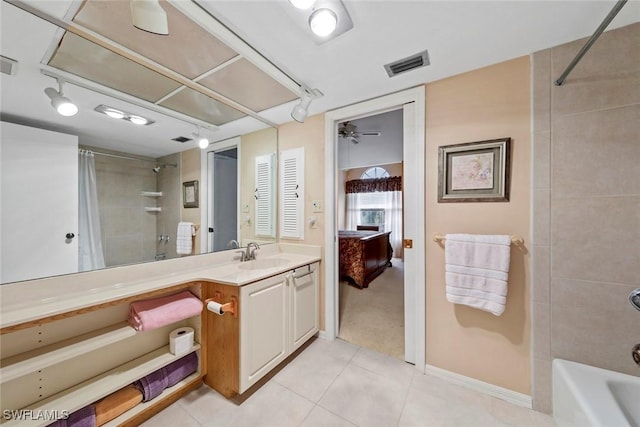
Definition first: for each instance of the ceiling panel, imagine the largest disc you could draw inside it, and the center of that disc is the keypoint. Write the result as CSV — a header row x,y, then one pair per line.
x,y
188,49
93,62
195,104
248,85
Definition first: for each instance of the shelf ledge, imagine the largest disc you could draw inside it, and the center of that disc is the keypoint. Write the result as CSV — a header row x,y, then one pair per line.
x,y
96,388
30,361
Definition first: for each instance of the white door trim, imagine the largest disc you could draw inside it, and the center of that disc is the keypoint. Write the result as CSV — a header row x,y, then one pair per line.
x,y
351,112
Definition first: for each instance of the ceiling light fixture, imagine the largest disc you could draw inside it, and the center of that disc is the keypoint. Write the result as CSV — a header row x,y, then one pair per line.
x,y
327,19
149,16
323,22
301,109
302,4
203,142
116,113
61,103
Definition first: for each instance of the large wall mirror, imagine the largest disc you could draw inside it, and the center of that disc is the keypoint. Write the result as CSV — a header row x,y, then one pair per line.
x,y
63,175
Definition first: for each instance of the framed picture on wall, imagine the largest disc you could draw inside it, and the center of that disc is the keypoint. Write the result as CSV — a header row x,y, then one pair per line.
x,y
190,194
474,171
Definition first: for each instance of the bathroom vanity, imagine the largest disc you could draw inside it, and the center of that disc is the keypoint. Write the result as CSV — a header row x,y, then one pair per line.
x,y
66,342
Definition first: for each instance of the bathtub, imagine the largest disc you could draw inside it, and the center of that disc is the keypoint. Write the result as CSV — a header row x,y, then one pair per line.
x,y
584,395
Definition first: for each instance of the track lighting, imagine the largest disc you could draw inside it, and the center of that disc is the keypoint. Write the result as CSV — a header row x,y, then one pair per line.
x,y
301,109
61,103
149,16
203,142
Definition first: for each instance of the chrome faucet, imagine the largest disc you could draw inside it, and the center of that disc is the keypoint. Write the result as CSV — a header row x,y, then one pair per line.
x,y
251,253
634,299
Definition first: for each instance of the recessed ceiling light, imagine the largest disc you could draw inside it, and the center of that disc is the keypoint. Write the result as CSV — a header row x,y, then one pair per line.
x,y
137,120
323,22
116,113
112,112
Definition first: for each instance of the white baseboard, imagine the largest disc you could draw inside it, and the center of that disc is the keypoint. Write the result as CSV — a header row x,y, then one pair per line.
x,y
481,386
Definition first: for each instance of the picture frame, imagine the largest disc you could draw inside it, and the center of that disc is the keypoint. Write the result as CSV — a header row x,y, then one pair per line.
x,y
475,171
190,194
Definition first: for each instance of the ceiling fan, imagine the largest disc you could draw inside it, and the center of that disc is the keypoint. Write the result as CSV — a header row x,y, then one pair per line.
x,y
350,132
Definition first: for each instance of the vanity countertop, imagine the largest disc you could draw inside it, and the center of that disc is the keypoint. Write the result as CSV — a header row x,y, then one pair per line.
x,y
28,301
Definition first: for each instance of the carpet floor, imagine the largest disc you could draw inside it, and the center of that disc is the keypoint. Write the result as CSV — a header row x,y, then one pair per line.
x,y
374,317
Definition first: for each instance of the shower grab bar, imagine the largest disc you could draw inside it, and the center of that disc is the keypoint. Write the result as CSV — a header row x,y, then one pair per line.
x,y
607,20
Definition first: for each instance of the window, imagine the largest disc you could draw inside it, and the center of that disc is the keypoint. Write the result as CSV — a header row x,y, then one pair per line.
x,y
372,217
375,172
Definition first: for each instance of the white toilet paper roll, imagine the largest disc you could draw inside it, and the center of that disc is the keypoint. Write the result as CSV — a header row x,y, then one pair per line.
x,y
181,341
215,307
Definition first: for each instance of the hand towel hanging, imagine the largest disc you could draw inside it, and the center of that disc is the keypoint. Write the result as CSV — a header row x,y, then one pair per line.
x,y
477,270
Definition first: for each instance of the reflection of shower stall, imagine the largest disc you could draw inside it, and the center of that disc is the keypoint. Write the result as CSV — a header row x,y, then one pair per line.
x,y
138,202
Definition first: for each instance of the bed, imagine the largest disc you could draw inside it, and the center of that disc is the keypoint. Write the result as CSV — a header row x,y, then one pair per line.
x,y
363,255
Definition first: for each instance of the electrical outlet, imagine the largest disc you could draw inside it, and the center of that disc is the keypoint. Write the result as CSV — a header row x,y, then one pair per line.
x,y
317,205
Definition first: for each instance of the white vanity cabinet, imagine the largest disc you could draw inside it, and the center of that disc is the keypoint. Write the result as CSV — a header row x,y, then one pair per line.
x,y
275,317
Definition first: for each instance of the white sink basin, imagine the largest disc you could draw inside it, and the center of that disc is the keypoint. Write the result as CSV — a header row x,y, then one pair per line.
x,y
262,264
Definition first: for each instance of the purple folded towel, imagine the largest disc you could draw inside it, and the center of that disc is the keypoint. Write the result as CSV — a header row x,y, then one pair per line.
x,y
153,384
85,417
181,368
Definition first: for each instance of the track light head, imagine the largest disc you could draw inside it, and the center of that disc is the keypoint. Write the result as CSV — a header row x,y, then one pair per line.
x,y
61,103
203,141
301,109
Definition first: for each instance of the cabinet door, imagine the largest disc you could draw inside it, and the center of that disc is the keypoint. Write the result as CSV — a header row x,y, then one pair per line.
x,y
304,305
263,328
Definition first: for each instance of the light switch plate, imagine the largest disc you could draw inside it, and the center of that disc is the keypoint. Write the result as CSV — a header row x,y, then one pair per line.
x,y
245,208
317,205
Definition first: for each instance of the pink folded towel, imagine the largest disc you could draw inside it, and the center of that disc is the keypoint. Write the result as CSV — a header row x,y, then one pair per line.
x,y
154,313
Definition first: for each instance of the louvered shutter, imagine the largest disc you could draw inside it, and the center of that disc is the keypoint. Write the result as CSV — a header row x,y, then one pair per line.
x,y
292,192
264,196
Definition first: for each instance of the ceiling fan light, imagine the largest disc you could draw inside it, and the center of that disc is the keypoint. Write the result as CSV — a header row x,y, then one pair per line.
x,y
149,16
323,22
302,4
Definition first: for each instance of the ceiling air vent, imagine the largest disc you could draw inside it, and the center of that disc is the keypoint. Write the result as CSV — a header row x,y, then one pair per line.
x,y
407,64
182,139
8,66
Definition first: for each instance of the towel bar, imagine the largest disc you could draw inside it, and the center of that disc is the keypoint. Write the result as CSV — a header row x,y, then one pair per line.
x,y
515,239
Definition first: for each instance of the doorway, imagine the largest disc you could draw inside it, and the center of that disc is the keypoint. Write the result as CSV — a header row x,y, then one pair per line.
x,y
412,101
222,209
370,218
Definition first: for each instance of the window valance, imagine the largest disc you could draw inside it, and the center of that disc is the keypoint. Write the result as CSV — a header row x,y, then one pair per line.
x,y
392,183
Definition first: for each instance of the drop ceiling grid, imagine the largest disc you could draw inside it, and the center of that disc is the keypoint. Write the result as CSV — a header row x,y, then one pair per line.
x,y
195,54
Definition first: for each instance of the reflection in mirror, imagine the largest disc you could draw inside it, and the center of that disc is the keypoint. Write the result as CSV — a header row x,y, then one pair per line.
x,y
135,201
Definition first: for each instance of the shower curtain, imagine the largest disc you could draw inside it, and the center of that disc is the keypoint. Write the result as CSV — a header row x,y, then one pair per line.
x,y
90,254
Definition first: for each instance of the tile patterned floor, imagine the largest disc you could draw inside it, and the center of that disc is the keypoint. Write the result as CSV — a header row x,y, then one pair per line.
x,y
334,384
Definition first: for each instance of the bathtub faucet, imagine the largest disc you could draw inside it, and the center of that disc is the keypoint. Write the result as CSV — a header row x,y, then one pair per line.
x,y
634,298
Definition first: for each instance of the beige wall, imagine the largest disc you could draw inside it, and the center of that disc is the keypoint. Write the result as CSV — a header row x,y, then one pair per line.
x,y
309,135
488,103
190,171
586,206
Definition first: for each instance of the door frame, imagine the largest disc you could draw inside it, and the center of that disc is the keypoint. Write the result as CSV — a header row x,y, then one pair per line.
x,y
414,222
206,191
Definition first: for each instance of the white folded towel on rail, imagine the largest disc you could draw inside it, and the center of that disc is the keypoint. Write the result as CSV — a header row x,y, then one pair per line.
x,y
477,270
184,240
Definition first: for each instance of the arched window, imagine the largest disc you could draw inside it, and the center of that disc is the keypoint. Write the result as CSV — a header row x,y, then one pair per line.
x,y
375,172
